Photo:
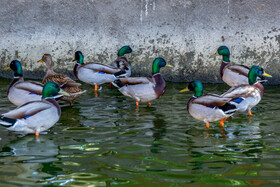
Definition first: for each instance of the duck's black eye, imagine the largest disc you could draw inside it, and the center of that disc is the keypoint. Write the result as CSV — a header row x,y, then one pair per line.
x,y
56,86
63,86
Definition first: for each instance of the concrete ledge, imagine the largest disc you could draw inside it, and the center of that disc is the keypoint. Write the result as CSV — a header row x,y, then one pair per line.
x,y
184,32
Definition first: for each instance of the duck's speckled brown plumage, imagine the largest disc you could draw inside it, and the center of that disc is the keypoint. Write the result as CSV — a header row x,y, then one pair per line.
x,y
67,84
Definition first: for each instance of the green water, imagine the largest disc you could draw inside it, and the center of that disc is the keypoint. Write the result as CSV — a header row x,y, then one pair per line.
x,y
105,141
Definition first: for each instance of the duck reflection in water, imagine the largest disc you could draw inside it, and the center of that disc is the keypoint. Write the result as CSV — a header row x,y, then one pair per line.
x,y
28,156
159,131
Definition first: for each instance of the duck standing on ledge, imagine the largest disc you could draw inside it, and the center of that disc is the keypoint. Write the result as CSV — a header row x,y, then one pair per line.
x,y
121,62
209,107
35,116
247,96
231,74
19,91
95,73
65,82
144,89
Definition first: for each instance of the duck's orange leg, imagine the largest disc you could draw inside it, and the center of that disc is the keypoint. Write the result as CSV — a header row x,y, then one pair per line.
x,y
222,122
36,134
137,104
96,87
250,113
207,126
149,104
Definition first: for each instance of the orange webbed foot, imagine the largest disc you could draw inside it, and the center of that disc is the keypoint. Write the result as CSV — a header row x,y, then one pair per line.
x,y
207,126
222,122
37,135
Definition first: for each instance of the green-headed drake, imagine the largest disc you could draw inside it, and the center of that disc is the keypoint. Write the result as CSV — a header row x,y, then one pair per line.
x,y
97,73
144,89
231,74
209,107
35,116
66,83
122,62
20,91
247,96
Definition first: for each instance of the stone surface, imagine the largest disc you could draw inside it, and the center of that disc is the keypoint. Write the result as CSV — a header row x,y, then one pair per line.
x,y
184,32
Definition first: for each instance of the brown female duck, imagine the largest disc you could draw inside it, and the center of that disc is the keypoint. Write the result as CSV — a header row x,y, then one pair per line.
x,y
65,82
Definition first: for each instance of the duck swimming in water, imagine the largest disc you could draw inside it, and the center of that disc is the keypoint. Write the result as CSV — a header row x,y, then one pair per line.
x,y
232,74
144,89
209,107
66,83
35,116
122,62
20,91
95,73
246,96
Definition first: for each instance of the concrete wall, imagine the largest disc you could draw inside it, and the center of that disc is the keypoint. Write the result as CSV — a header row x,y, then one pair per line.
x,y
184,32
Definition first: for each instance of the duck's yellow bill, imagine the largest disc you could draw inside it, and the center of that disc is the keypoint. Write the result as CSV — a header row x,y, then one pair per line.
x,y
62,92
40,60
134,53
168,65
74,59
214,55
267,75
185,90
7,68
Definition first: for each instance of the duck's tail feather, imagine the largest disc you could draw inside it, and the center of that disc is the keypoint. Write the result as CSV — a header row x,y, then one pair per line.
x,y
119,73
7,122
117,83
229,108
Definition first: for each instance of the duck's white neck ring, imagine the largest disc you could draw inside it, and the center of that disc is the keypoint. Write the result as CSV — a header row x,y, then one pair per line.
x,y
156,74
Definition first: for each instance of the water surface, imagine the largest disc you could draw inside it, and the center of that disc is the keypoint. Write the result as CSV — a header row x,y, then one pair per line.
x,y
105,141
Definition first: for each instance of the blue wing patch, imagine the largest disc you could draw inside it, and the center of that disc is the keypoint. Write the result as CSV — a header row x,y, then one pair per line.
x,y
32,93
238,100
101,72
26,117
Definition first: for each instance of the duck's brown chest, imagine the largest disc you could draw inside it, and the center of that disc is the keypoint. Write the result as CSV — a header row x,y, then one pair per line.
x,y
160,85
222,67
75,70
260,87
14,81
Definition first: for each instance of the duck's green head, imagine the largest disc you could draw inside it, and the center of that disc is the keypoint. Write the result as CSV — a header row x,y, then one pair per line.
x,y
124,50
195,86
256,71
159,63
79,57
16,67
51,89
224,51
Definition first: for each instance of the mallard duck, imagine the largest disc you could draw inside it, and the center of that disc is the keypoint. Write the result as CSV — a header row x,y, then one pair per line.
x,y
66,83
35,116
209,107
95,73
144,89
121,62
27,90
232,74
247,96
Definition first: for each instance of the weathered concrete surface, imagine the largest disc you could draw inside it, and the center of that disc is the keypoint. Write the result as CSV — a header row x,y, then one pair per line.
x,y
184,32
